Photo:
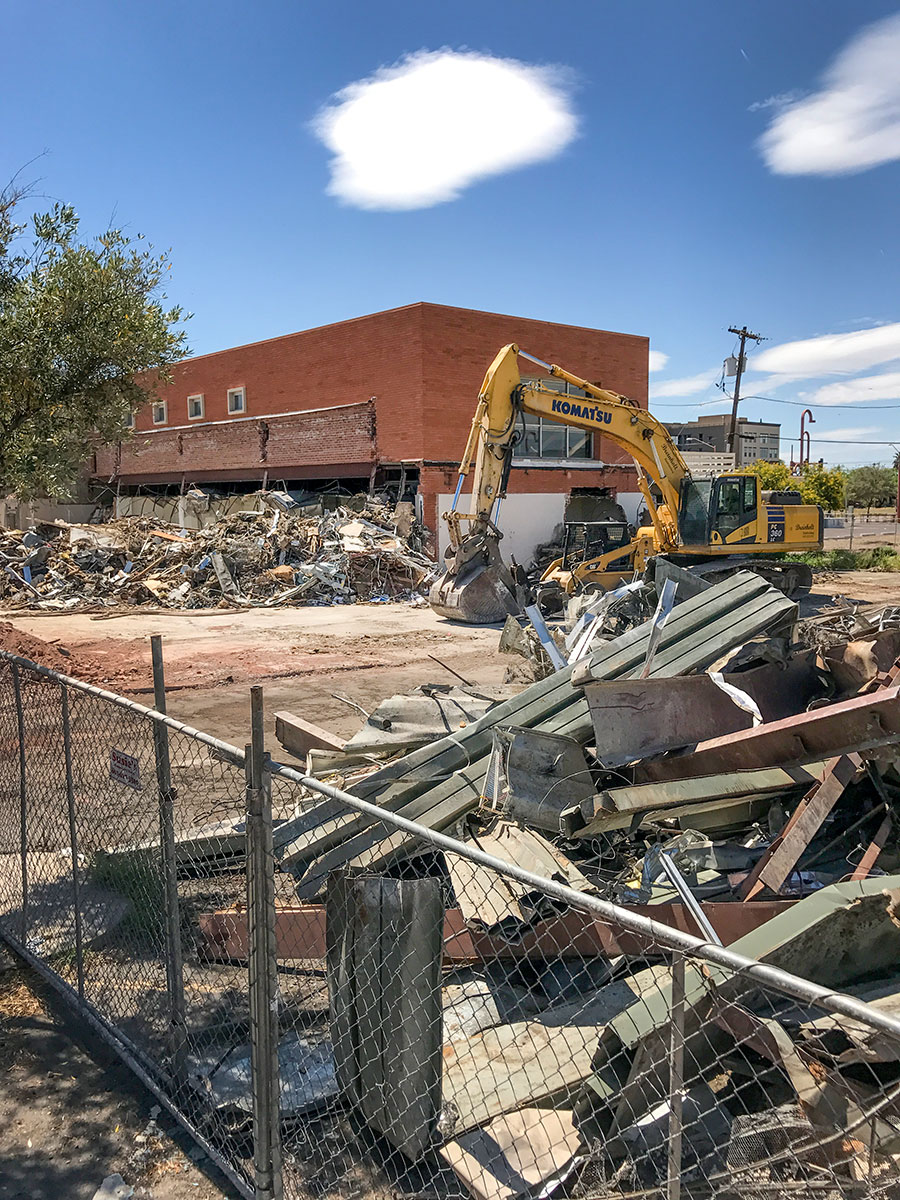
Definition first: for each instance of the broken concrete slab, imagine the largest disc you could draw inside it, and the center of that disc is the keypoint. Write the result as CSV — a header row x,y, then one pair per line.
x,y
299,736
533,1148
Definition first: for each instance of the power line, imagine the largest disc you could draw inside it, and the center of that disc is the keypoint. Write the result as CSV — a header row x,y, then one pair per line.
x,y
775,400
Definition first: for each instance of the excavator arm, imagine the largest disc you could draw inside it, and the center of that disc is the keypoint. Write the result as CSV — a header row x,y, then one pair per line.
x,y
476,586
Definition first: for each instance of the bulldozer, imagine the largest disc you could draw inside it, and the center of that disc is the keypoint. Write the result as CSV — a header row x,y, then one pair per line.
x,y
691,521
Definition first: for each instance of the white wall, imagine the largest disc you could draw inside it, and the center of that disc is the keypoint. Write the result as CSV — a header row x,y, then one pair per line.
x,y
631,502
526,518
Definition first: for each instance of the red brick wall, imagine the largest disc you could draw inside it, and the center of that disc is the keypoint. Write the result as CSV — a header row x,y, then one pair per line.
x,y
459,346
424,363
337,440
377,355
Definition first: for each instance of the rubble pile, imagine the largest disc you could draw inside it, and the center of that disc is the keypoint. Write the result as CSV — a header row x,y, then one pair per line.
x,y
707,762
711,766
249,559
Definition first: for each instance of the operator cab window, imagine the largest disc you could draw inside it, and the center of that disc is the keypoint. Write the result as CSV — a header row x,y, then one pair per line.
x,y
736,504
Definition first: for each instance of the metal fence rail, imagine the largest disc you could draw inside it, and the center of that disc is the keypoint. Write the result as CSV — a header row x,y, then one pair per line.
x,y
470,1021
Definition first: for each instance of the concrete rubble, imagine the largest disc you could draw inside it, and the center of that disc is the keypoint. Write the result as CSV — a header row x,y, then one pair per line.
x,y
249,559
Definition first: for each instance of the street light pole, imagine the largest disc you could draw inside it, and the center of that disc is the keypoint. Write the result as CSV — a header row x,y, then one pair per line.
x,y
745,335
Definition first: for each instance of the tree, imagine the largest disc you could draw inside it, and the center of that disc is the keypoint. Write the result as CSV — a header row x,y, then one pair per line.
x,y
872,485
773,476
823,486
815,483
84,340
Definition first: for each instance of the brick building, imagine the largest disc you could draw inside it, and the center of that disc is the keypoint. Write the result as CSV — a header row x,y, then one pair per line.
x,y
386,399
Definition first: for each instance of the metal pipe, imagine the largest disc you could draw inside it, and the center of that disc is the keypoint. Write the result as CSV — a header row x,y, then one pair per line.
x,y
263,962
166,799
23,797
73,838
680,884
537,361
676,1078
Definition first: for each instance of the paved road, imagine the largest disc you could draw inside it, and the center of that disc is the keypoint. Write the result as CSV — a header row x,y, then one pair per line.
x,y
863,528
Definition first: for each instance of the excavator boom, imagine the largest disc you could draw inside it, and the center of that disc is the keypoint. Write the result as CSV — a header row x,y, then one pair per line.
x,y
476,585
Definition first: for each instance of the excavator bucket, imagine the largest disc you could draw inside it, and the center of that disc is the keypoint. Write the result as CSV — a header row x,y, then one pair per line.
x,y
477,587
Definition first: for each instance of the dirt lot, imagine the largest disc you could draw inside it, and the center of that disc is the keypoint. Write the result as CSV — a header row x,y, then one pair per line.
x,y
302,656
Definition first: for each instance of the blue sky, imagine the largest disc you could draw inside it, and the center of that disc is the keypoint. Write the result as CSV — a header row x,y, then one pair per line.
x,y
580,161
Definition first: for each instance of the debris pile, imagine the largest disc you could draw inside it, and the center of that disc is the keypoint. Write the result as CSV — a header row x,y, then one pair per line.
x,y
706,762
248,559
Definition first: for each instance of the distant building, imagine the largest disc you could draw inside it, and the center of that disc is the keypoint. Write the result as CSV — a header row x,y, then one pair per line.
x,y
709,435
383,402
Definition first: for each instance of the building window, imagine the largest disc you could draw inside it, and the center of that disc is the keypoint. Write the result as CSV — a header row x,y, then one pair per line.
x,y
129,421
195,408
237,401
158,411
548,439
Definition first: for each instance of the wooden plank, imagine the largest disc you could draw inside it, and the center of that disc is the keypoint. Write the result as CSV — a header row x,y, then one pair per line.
x,y
784,852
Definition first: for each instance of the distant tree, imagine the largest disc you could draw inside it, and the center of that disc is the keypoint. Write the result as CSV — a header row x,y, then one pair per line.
x,y
84,340
872,486
823,486
773,476
897,461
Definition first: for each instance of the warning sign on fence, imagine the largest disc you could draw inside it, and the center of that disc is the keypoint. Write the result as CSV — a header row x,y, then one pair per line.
x,y
124,768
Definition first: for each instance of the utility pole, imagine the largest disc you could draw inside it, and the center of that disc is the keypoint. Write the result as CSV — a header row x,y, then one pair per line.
x,y
745,335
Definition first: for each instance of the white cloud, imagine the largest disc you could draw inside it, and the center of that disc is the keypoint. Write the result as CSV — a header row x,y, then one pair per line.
x,y
778,101
865,390
832,354
850,124
658,360
848,434
689,385
419,133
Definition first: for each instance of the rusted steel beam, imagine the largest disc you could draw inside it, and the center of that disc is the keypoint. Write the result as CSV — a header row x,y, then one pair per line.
x,y
852,726
784,852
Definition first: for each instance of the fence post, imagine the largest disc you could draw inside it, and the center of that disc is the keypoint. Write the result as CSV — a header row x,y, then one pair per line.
x,y
174,962
263,962
23,801
852,522
73,836
676,1078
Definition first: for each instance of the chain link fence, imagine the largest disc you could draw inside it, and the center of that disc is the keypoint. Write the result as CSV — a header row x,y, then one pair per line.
x,y
471,1019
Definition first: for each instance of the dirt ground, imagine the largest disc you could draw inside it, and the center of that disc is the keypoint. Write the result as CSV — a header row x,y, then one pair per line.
x,y
72,1114
302,656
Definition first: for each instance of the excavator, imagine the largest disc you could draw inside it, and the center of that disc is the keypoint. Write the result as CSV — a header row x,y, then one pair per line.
x,y
692,521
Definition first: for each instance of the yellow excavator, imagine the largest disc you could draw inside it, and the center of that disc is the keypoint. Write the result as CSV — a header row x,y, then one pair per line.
x,y
691,521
